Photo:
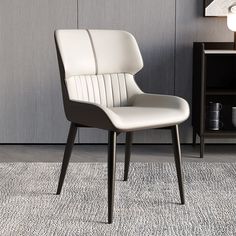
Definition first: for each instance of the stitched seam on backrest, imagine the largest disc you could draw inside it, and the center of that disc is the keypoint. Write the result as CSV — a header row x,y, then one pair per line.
x,y
112,90
94,52
126,89
86,83
118,76
76,87
99,92
118,89
105,90
94,96
81,88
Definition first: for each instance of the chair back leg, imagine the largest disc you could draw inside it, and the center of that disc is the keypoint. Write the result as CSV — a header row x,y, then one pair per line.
x,y
111,173
177,154
128,144
67,154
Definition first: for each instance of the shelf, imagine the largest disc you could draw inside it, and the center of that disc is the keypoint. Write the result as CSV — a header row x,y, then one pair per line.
x,y
220,133
220,51
221,92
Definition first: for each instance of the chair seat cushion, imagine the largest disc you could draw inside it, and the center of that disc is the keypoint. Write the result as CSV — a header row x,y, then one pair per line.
x,y
150,111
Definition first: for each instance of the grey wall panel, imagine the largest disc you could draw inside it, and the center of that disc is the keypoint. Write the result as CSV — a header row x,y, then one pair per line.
x,y
30,97
153,24
192,26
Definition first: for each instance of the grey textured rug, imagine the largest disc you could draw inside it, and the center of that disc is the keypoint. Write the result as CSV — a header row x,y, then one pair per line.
x,y
145,205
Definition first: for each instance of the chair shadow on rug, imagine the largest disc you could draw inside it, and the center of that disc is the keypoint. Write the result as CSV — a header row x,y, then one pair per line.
x,y
97,69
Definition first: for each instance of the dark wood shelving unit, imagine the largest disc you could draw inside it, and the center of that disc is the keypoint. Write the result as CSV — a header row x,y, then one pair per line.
x,y
214,80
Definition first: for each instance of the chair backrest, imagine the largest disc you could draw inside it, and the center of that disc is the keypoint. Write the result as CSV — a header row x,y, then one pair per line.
x,y
99,65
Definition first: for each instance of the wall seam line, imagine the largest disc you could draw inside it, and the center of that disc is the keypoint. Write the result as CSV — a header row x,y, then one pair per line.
x,y
77,26
175,45
77,15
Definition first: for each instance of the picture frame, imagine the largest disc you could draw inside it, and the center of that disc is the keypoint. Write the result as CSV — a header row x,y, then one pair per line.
x,y
217,8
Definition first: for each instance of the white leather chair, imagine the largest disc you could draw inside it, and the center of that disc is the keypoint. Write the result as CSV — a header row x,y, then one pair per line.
x,y
97,69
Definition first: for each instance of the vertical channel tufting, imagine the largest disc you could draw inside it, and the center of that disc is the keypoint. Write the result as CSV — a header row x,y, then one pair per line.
x,y
123,93
77,87
107,90
126,86
84,87
102,90
96,89
118,81
90,88
115,89
71,85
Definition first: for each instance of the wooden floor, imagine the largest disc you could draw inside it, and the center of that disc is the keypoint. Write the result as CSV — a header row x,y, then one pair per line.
x,y
97,153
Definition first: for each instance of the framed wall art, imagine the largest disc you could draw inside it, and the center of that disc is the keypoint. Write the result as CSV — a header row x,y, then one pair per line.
x,y
217,7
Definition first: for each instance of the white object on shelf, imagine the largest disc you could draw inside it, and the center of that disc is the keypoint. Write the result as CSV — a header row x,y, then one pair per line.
x,y
220,51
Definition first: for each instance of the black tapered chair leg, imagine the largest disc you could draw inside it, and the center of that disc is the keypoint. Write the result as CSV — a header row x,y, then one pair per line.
x,y
67,154
128,144
202,146
111,173
177,154
194,137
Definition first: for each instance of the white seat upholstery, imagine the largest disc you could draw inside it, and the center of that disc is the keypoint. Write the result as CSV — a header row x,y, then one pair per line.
x,y
99,67
150,111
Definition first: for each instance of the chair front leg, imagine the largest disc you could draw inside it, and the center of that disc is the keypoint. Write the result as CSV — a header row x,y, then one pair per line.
x,y
128,144
67,154
177,154
111,173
